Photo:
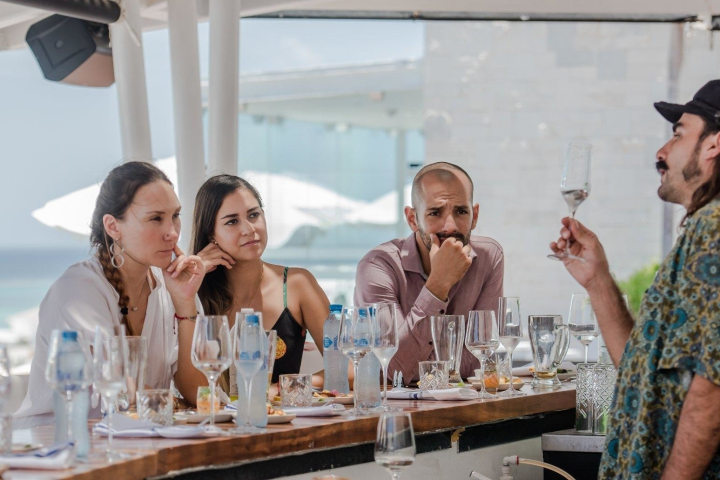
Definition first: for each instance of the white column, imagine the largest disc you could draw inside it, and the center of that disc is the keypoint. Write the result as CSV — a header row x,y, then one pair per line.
x,y
223,86
400,173
129,66
187,105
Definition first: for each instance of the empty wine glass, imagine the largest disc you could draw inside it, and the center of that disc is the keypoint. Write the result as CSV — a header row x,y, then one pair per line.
x,y
481,338
395,443
355,340
511,331
385,340
109,369
581,321
251,347
211,353
575,185
67,370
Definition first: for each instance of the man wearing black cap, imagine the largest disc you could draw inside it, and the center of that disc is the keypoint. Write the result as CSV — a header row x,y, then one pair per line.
x,y
665,417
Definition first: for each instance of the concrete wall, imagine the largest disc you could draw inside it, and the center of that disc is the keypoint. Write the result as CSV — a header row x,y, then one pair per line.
x,y
504,99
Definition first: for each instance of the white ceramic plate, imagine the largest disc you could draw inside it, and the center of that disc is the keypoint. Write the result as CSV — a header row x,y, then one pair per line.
x,y
25,447
193,417
287,418
316,402
339,400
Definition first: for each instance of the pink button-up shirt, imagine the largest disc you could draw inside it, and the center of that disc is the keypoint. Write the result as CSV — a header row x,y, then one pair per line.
x,y
393,272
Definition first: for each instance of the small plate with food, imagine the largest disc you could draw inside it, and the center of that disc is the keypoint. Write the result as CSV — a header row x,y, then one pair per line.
x,y
192,416
316,401
337,397
276,415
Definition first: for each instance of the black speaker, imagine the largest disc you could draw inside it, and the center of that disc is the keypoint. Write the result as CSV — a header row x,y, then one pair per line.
x,y
73,51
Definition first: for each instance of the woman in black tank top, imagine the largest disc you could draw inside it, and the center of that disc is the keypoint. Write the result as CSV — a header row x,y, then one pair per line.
x,y
230,235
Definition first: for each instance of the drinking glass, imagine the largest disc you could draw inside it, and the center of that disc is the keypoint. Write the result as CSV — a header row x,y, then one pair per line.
x,y
549,341
272,351
211,353
5,379
434,375
109,370
582,322
249,354
385,340
575,185
355,340
296,390
66,372
448,333
395,443
481,338
156,405
135,371
510,331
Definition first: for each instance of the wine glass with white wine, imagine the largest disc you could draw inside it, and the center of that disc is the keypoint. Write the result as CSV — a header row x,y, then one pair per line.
x,y
510,331
395,443
575,186
582,322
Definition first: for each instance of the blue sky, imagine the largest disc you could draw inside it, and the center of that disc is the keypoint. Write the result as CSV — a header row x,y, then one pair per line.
x,y
58,138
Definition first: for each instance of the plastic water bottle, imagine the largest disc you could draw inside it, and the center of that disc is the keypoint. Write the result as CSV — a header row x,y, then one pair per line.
x,y
258,400
335,362
71,361
367,385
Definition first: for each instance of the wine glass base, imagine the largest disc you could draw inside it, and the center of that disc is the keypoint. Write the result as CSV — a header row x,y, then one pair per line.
x,y
563,255
388,408
357,412
486,396
245,430
511,392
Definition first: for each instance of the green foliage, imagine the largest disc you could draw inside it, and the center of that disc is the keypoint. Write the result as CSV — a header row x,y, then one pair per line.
x,y
634,287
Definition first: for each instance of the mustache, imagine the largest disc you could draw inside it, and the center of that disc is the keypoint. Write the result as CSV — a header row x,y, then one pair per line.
x,y
661,165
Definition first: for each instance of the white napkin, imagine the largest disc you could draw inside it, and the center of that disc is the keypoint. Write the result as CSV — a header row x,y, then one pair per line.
x,y
525,371
328,410
183,431
57,457
124,426
446,394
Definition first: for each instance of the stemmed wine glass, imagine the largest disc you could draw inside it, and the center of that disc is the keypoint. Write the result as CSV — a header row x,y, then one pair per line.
x,y
575,185
67,369
251,349
395,443
481,339
211,353
510,331
385,340
109,370
355,340
581,321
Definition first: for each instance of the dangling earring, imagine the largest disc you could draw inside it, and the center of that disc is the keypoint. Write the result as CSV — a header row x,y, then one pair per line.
x,y
116,259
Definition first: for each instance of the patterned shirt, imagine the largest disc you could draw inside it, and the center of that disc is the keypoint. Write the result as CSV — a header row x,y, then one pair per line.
x,y
676,336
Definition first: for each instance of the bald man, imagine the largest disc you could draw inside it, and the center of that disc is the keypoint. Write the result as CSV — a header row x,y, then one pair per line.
x,y
440,269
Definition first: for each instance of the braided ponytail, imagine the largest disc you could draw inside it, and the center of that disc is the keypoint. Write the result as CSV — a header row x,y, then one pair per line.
x,y
116,195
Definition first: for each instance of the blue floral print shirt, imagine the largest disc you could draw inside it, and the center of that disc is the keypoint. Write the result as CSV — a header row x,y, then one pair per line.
x,y
676,336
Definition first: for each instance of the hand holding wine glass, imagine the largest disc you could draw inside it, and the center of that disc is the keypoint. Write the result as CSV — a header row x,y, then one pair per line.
x,y
575,186
395,443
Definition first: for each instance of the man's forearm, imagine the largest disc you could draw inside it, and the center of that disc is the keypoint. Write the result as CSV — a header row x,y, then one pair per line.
x,y
613,316
698,433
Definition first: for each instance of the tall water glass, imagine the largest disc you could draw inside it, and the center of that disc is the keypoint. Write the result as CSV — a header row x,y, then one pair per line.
x,y
135,371
355,340
549,341
510,329
67,371
383,317
575,186
251,349
582,322
5,379
211,353
481,338
448,334
395,443
272,351
109,377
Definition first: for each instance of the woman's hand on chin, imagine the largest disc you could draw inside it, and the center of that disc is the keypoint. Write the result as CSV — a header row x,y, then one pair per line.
x,y
184,276
213,255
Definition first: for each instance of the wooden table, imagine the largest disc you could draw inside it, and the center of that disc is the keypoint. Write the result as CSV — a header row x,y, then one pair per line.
x,y
155,457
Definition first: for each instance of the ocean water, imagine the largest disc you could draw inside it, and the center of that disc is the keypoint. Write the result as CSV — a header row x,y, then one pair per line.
x,y
26,275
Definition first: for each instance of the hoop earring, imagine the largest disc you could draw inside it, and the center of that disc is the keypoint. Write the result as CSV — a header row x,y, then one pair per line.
x,y
116,259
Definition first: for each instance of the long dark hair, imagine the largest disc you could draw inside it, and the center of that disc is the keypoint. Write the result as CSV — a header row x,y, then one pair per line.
x,y
116,195
709,190
215,294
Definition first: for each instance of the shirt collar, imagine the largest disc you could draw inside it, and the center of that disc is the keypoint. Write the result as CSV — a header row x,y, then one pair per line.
x,y
410,256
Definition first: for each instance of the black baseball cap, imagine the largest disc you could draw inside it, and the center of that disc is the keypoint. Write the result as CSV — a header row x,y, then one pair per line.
x,y
705,103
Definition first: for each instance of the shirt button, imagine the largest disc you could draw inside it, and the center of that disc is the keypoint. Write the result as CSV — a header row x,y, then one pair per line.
x,y
442,311
430,342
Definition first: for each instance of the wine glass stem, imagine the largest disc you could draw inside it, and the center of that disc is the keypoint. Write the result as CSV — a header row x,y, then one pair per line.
x,y
356,368
586,353
395,475
248,391
211,384
511,373
567,245
385,404
483,359
111,408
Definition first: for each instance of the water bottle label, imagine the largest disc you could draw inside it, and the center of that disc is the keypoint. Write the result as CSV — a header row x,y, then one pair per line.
x,y
327,342
256,355
362,342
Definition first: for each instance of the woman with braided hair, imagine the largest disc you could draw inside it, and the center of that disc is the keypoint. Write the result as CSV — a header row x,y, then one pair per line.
x,y
131,280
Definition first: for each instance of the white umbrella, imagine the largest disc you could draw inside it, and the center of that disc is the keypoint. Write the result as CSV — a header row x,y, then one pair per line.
x,y
290,204
382,211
